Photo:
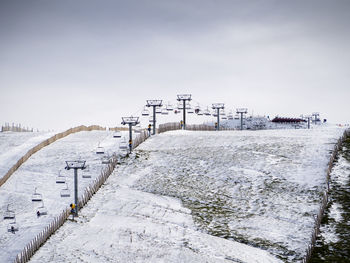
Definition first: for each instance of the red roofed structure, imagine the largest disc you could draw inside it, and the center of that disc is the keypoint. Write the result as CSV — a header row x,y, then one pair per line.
x,y
287,120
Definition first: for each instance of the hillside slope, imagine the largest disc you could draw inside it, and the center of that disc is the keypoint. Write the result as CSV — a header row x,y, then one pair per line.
x,y
189,196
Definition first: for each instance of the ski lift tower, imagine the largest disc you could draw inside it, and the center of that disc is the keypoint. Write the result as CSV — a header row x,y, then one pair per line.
x,y
154,104
218,107
131,121
184,98
308,117
316,115
75,165
242,111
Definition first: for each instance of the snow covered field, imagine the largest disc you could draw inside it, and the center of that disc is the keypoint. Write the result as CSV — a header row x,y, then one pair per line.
x,y
40,171
189,196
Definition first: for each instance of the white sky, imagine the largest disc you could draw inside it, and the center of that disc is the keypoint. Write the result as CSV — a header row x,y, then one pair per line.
x,y
66,63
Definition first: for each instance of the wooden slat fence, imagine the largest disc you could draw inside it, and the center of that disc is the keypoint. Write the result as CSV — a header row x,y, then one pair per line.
x,y
190,127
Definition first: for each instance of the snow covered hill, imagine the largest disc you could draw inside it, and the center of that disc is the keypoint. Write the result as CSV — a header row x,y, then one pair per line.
x,y
235,196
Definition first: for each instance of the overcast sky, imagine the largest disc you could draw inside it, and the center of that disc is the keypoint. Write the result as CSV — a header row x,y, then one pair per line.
x,y
65,63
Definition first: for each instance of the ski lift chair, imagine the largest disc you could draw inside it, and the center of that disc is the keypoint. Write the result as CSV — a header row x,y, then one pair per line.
x,y
190,110
158,110
138,129
165,111
100,150
207,112
123,144
65,192
106,160
12,227
9,214
224,117
87,169
123,152
60,179
42,210
169,107
145,112
36,197
117,134
86,176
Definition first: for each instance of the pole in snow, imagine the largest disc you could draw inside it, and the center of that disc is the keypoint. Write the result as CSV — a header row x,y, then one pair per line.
x,y
154,104
316,115
184,98
131,121
308,117
242,111
75,165
218,107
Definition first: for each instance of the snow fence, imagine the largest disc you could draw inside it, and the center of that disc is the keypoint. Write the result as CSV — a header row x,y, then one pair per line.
x,y
46,143
324,202
192,127
59,220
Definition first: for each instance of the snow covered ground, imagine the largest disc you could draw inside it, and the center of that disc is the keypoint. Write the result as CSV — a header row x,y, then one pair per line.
x,y
40,171
198,196
14,145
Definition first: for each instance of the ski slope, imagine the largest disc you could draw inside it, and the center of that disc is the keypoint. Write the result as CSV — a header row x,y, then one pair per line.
x,y
40,171
16,144
235,196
